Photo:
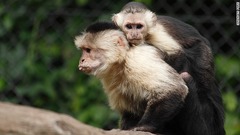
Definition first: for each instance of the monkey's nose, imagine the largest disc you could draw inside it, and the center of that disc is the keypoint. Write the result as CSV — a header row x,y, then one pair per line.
x,y
134,36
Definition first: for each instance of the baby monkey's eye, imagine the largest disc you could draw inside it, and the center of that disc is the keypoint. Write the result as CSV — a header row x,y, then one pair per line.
x,y
139,26
128,26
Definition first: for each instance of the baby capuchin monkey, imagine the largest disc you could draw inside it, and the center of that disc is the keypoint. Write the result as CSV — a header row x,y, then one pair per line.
x,y
145,90
190,55
178,40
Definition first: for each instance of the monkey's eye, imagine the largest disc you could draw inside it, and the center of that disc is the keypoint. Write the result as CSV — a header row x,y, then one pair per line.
x,y
139,26
88,50
129,26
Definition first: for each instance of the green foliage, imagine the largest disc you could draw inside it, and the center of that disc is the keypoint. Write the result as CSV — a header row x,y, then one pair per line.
x,y
230,101
232,122
39,62
228,68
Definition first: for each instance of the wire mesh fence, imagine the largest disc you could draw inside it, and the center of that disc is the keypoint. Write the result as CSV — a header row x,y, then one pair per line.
x,y
38,60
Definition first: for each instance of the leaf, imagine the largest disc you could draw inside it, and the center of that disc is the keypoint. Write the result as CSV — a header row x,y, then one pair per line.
x,y
230,101
2,84
232,124
227,66
82,2
7,22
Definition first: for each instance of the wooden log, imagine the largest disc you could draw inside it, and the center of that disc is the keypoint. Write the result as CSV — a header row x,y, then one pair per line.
x,y
23,120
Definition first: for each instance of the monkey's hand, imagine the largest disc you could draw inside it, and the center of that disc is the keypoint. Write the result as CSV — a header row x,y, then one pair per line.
x,y
186,76
145,128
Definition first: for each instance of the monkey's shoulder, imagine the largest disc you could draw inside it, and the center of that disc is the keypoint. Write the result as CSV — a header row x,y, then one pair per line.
x,y
146,51
185,34
174,22
148,60
178,28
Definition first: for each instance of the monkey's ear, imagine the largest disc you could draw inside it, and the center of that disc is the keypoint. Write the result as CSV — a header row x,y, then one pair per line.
x,y
78,41
151,18
117,19
120,42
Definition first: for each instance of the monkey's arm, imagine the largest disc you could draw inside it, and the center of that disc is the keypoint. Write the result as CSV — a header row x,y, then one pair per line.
x,y
129,120
158,112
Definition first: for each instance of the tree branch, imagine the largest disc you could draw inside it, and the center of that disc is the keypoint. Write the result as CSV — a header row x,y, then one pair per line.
x,y
23,120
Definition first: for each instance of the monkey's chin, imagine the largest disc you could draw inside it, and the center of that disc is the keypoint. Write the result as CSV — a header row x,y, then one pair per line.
x,y
87,72
135,41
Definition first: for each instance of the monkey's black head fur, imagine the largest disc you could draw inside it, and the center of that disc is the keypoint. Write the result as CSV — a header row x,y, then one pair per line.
x,y
101,26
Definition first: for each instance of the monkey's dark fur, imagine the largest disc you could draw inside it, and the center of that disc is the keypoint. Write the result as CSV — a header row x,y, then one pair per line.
x,y
203,112
204,95
100,26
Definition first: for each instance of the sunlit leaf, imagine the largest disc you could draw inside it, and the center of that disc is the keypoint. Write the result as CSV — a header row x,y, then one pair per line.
x,y
230,100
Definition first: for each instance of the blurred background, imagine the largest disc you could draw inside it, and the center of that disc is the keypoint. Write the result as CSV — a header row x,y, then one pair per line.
x,y
39,62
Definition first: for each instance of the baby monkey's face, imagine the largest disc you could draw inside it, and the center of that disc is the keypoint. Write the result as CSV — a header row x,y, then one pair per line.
x,y
134,28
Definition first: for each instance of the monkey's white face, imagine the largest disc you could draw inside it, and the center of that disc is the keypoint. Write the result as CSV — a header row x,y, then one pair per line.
x,y
135,28
101,50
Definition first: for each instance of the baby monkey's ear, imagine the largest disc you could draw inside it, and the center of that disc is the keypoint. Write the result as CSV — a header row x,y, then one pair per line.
x,y
151,18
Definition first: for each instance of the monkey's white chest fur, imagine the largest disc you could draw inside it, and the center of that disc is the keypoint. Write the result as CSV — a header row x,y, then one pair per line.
x,y
143,76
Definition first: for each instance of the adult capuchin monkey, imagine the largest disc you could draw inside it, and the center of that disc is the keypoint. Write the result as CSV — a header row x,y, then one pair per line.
x,y
145,90
188,53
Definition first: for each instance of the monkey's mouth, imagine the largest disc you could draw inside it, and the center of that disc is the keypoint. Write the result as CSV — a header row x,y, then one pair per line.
x,y
86,70
135,41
